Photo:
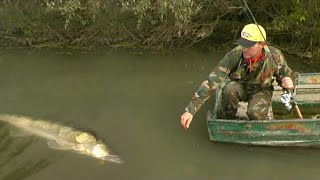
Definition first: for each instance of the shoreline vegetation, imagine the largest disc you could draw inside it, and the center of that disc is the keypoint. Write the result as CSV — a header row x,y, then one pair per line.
x,y
293,26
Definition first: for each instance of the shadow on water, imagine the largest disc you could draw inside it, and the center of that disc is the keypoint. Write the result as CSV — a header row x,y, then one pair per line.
x,y
26,169
13,164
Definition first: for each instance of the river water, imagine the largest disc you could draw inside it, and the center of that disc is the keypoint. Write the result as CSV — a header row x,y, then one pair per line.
x,y
133,101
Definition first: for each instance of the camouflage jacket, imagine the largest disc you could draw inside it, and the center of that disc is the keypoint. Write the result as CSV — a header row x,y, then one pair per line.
x,y
233,67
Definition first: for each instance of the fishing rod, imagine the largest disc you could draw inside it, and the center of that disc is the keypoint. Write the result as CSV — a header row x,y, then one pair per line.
x,y
287,97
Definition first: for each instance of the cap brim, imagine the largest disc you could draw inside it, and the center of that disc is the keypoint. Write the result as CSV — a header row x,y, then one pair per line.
x,y
245,43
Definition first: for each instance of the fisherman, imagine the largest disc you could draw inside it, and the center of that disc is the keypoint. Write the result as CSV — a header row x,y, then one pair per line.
x,y
248,72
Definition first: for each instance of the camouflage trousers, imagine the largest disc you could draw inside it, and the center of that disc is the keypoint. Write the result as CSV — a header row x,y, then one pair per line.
x,y
258,100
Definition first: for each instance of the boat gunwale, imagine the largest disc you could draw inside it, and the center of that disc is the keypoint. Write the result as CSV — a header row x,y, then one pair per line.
x,y
289,144
263,121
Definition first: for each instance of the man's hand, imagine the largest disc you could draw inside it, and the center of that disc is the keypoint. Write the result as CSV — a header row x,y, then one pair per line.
x,y
186,119
287,83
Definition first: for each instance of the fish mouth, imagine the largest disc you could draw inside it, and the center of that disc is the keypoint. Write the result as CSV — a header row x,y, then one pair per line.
x,y
100,151
113,158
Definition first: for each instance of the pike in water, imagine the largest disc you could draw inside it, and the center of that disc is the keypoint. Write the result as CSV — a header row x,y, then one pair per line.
x,y
63,137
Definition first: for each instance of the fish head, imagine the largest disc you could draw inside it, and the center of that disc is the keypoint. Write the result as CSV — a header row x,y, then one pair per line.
x,y
100,151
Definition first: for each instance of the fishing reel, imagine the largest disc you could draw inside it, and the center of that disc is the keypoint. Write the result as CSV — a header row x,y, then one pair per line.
x,y
286,98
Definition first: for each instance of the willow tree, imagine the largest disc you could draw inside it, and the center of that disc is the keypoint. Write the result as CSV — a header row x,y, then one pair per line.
x,y
292,24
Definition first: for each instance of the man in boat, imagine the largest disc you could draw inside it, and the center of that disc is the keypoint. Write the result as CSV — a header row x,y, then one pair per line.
x,y
248,71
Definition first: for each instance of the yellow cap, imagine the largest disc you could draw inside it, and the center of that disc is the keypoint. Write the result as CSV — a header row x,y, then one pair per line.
x,y
251,34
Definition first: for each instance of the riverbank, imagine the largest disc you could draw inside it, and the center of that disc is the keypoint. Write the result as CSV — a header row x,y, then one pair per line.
x,y
163,25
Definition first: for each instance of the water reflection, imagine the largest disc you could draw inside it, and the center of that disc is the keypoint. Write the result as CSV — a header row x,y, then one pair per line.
x,y
25,169
14,165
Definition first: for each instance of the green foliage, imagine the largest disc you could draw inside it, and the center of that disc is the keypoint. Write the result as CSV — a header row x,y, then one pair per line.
x,y
80,11
292,13
162,23
178,12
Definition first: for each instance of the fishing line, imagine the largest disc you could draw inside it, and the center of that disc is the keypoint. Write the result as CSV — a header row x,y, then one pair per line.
x,y
280,67
255,21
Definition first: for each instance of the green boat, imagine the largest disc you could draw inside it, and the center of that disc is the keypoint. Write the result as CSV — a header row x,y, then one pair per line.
x,y
272,132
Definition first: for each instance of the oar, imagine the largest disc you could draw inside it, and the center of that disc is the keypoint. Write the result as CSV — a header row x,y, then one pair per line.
x,y
296,106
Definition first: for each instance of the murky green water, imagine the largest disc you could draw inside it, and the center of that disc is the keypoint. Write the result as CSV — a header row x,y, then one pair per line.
x,y
134,103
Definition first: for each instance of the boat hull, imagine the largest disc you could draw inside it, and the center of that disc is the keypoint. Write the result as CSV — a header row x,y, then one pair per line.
x,y
294,132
